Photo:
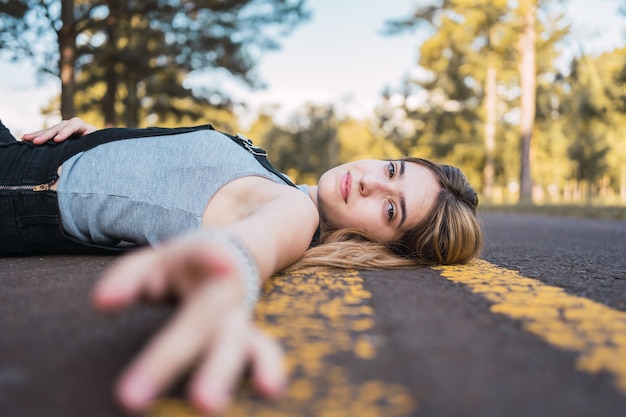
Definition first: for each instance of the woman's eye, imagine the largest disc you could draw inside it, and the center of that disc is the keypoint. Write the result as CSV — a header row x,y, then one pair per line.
x,y
391,170
390,210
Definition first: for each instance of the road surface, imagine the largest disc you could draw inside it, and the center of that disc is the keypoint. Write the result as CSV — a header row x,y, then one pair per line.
x,y
536,328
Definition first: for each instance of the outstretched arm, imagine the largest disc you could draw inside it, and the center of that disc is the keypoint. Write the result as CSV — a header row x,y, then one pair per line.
x,y
60,131
212,328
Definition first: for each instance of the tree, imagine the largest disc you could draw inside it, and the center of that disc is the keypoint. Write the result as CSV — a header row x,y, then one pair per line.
x,y
361,139
528,85
43,31
143,51
589,124
477,49
307,146
614,80
463,58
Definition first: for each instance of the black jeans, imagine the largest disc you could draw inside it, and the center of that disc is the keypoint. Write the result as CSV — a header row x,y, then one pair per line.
x,y
29,213
5,135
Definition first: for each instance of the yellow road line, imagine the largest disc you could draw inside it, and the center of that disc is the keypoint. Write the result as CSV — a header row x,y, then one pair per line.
x,y
316,316
596,332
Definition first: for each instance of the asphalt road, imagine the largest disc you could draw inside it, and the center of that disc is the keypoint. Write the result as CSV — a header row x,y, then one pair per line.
x,y
537,328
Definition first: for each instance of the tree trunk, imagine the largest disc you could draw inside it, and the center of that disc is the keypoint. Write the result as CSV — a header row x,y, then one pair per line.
x,y
67,62
131,103
528,81
490,132
110,77
108,100
622,187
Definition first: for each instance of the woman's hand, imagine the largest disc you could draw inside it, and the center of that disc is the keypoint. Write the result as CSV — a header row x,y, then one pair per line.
x,y
60,131
212,330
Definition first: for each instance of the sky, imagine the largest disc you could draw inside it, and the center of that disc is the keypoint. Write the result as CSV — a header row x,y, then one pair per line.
x,y
338,56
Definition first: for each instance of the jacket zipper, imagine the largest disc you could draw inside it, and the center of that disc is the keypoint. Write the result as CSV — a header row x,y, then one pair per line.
x,y
40,187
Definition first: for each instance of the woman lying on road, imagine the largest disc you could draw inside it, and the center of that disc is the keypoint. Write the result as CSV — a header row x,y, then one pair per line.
x,y
217,221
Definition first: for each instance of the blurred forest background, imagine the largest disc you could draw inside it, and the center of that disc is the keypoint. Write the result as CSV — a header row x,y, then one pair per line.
x,y
488,94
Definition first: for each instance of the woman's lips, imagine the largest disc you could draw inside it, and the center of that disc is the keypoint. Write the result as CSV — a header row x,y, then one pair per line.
x,y
346,185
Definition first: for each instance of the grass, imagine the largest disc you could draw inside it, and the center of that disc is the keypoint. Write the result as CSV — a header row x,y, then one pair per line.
x,y
591,212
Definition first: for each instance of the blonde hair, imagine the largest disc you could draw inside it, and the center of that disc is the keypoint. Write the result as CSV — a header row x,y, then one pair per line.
x,y
450,233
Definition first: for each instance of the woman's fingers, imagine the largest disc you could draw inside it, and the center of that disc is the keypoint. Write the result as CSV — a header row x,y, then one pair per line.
x,y
60,131
222,367
135,276
42,136
268,367
178,266
213,330
237,343
175,348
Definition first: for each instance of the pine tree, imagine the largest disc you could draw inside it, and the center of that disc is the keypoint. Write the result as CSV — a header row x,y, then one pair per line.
x,y
143,50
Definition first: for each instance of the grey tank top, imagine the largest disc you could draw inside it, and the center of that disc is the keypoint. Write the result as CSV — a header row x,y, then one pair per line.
x,y
145,190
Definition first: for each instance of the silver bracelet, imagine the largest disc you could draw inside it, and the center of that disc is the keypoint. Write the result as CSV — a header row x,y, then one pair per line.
x,y
250,270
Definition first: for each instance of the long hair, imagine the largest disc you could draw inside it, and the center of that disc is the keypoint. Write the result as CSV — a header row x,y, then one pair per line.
x,y
450,234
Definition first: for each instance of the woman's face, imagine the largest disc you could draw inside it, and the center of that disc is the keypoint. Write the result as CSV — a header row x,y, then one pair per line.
x,y
383,198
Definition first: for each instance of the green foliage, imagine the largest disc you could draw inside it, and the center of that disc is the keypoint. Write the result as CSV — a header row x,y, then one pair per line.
x,y
143,52
24,26
307,146
578,144
360,140
137,61
595,119
315,139
446,101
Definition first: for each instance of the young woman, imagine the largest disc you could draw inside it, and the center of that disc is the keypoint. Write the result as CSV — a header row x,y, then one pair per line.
x,y
218,220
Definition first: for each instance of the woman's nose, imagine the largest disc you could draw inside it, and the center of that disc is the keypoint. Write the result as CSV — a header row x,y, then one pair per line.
x,y
370,184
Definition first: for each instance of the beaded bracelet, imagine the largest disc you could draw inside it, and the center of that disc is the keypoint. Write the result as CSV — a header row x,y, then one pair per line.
x,y
249,268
